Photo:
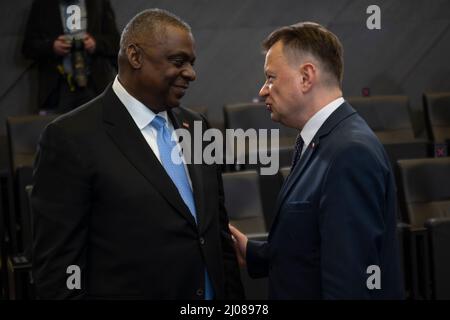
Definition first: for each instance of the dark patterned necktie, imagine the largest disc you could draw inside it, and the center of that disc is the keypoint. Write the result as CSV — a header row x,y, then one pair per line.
x,y
297,149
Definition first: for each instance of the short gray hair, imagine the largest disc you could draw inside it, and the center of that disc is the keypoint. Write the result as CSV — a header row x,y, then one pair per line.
x,y
150,24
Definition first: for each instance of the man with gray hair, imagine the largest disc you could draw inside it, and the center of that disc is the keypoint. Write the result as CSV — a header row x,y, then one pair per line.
x,y
115,217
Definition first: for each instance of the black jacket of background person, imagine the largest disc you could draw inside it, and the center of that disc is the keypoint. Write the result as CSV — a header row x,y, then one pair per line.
x,y
103,201
45,25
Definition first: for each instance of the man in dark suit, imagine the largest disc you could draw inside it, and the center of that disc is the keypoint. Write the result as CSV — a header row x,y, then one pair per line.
x,y
108,199
48,41
334,234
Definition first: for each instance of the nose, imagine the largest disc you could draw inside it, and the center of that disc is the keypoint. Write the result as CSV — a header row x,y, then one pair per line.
x,y
189,73
264,91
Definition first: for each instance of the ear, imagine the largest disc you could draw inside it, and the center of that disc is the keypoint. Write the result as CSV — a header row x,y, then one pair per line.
x,y
308,75
134,56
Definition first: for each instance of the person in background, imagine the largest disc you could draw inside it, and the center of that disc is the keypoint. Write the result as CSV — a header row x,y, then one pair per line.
x,y
75,44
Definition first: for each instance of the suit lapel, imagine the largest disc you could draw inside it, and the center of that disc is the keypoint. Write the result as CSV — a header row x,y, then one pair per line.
x,y
341,113
298,169
294,175
195,170
126,135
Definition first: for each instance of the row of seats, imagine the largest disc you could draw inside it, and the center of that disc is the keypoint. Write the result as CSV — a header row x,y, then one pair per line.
x,y
425,235
23,134
423,184
424,230
424,187
255,116
388,116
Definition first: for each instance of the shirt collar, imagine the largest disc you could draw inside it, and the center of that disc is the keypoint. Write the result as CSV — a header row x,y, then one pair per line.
x,y
317,120
141,115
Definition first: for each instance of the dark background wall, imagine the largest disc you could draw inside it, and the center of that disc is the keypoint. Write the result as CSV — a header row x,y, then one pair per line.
x,y
409,55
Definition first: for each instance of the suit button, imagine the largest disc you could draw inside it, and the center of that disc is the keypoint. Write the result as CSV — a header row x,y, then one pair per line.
x,y
199,292
202,240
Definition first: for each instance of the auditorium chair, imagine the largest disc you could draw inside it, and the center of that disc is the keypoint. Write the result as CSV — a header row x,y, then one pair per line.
x,y
245,211
424,187
256,116
203,110
439,238
437,114
243,201
23,133
389,118
23,136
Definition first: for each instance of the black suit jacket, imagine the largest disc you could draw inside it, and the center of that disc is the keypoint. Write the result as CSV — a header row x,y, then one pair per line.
x,y
102,201
336,216
44,26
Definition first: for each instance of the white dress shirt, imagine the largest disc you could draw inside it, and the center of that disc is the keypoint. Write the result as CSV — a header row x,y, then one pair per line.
x,y
313,125
143,117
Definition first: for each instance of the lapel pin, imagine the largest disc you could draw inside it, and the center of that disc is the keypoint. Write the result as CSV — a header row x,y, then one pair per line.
x,y
313,145
185,124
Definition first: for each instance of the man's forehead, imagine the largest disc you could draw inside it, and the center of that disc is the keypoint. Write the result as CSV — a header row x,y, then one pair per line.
x,y
183,44
280,54
161,35
273,54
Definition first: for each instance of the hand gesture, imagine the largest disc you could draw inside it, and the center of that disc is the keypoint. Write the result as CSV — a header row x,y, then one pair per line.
x,y
240,245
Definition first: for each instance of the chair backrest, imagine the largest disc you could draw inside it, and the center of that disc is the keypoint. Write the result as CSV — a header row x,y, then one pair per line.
x,y
23,136
439,235
425,189
407,150
243,201
255,116
388,116
203,110
437,114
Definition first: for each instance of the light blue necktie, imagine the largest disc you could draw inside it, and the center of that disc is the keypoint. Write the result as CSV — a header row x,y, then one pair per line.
x,y
179,177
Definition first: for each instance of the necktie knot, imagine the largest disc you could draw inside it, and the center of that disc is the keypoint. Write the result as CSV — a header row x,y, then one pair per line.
x,y
158,122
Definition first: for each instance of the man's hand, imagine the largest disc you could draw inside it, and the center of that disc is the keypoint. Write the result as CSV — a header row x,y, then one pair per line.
x,y
89,43
61,46
240,245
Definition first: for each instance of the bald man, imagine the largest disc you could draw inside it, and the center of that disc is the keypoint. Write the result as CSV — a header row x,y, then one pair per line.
x,y
114,217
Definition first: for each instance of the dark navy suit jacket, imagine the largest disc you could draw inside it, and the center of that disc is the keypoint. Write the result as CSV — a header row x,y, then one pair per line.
x,y
336,216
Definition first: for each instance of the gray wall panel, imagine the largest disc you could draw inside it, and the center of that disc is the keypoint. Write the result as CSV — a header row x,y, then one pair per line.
x,y
408,55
